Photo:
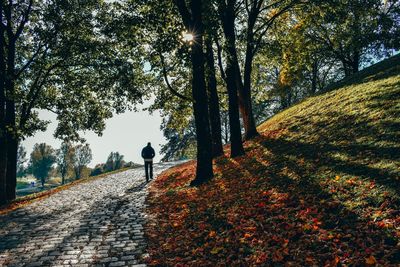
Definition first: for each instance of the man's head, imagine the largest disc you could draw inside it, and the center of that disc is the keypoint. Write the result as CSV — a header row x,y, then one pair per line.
x,y
148,144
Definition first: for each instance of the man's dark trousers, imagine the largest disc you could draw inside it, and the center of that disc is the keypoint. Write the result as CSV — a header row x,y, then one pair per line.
x,y
148,165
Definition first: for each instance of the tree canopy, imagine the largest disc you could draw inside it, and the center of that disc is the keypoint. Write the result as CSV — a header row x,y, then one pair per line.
x,y
213,66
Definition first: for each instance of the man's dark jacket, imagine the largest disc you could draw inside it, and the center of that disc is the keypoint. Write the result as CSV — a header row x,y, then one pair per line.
x,y
148,152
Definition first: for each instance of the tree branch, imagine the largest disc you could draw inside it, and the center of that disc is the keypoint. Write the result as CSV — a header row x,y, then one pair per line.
x,y
24,20
34,93
270,22
30,61
165,75
219,53
7,13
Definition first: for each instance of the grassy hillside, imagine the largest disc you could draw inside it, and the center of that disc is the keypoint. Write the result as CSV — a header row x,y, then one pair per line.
x,y
319,187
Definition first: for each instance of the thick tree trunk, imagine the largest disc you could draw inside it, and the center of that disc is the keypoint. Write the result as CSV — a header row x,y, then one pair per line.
x,y
10,122
3,150
234,122
213,102
228,20
12,151
3,143
246,106
3,170
204,171
192,18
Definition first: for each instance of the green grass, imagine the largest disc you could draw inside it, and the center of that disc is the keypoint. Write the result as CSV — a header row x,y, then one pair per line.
x,y
22,184
351,132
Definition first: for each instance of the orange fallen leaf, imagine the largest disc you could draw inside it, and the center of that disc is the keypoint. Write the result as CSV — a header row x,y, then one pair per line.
x,y
370,260
247,235
335,261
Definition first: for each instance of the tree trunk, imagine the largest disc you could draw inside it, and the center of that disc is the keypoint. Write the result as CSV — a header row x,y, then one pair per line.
x,y
234,122
346,68
228,19
10,122
78,172
3,170
213,102
204,171
226,127
3,143
12,151
246,106
245,91
314,76
42,181
193,21
355,62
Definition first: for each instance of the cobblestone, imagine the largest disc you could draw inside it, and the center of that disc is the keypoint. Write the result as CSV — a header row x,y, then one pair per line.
x,y
99,223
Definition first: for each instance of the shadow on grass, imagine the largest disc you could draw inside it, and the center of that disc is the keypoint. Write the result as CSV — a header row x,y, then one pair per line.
x,y
321,155
365,145
282,173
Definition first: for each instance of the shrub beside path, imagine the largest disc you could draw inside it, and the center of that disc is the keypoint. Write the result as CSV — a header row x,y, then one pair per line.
x,y
97,223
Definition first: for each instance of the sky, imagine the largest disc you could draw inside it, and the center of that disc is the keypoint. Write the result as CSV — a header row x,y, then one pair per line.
x,y
125,133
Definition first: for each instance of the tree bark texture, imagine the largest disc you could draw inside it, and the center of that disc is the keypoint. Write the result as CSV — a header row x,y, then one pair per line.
x,y
213,101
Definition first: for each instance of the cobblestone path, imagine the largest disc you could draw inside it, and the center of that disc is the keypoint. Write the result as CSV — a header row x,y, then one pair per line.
x,y
99,223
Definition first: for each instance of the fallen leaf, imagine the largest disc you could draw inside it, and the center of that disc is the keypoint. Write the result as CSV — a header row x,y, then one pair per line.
x,y
370,260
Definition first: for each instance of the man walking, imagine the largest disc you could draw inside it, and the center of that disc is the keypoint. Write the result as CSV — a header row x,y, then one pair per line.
x,y
148,155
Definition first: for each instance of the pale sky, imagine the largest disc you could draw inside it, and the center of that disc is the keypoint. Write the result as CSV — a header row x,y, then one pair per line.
x,y
126,133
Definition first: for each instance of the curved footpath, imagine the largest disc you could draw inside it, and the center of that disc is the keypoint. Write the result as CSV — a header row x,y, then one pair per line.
x,y
99,223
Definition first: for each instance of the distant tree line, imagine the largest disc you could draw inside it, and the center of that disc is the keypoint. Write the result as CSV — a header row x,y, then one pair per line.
x,y
70,162
115,161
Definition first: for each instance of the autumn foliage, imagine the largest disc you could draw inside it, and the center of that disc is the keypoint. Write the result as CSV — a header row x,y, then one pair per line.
x,y
310,191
